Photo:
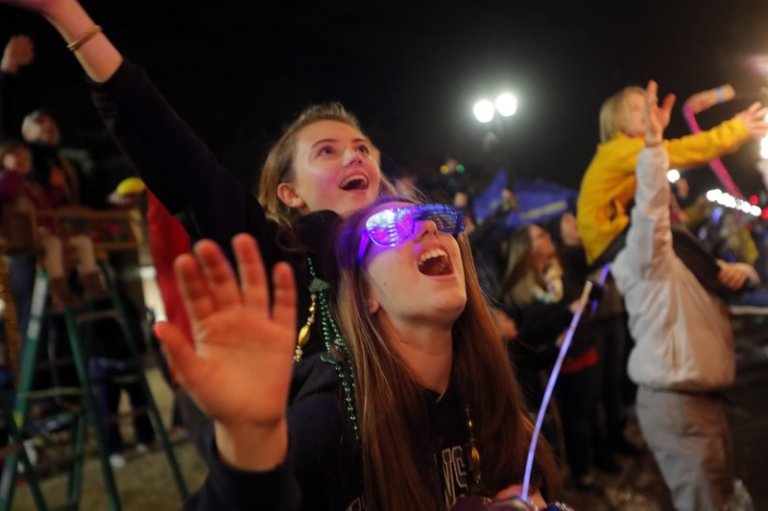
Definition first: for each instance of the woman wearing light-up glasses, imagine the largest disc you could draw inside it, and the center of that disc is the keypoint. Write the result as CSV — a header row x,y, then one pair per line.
x,y
416,409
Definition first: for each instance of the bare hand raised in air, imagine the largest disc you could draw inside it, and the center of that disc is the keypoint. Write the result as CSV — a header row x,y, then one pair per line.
x,y
18,52
656,117
99,58
239,368
754,119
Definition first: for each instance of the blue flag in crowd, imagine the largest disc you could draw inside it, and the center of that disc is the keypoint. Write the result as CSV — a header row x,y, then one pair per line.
x,y
539,200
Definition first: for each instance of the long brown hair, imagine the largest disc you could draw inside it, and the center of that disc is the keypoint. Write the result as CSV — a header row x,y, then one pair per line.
x,y
278,168
390,404
519,277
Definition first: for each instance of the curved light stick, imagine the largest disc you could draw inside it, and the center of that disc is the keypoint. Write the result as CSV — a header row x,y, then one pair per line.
x,y
604,271
697,103
551,386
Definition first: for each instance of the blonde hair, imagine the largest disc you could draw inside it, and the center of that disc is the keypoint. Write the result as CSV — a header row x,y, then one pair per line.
x,y
614,113
278,168
391,406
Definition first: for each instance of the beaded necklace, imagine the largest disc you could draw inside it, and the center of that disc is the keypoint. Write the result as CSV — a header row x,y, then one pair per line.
x,y
337,352
474,453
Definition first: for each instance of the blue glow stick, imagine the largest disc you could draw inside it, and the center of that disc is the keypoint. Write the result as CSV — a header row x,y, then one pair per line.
x,y
601,282
551,386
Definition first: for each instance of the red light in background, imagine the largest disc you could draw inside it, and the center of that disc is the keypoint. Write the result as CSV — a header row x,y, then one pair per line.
x,y
753,200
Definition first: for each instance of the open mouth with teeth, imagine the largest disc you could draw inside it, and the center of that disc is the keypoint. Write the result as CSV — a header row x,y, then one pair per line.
x,y
435,262
356,182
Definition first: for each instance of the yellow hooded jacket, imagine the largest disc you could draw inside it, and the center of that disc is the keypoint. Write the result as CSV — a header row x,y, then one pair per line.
x,y
609,183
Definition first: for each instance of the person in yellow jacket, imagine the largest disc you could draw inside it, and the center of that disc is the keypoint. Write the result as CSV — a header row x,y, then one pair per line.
x,y
609,182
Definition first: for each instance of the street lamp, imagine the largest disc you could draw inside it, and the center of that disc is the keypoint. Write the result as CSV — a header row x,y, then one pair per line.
x,y
483,111
506,104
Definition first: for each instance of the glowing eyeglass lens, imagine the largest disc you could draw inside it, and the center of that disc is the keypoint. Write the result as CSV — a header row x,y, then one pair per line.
x,y
391,227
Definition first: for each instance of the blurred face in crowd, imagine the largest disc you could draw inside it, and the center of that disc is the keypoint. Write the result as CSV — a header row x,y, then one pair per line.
x,y
542,249
335,167
569,230
634,126
40,127
681,185
18,160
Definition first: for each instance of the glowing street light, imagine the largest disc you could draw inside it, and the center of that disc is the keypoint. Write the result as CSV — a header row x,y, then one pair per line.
x,y
506,104
673,175
764,148
729,201
483,111
714,195
762,165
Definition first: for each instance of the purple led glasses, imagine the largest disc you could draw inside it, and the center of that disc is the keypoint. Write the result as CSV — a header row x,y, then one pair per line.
x,y
392,226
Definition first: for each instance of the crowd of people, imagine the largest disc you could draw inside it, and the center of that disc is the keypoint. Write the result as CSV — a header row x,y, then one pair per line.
x,y
43,190
349,343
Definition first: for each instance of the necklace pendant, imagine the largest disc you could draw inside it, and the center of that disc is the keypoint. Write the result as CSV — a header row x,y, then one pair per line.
x,y
302,340
304,334
475,456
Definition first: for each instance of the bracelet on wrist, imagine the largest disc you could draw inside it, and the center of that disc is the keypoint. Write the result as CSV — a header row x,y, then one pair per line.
x,y
80,41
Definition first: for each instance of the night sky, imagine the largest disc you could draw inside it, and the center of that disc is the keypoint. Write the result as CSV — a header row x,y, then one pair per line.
x,y
237,72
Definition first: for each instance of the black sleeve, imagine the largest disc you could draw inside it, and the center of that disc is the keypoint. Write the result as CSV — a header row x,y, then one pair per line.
x,y
541,323
232,489
310,476
177,166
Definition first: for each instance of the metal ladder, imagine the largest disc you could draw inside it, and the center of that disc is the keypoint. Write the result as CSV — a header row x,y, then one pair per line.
x,y
16,446
88,414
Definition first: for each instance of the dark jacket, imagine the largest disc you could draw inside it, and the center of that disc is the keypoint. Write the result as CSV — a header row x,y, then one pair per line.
x,y
190,182
540,324
323,469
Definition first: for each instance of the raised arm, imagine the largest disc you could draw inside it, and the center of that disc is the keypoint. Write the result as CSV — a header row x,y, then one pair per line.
x,y
99,57
724,138
175,164
649,241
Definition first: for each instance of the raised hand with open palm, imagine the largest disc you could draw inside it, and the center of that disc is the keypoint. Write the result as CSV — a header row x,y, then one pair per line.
x,y
238,369
656,117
